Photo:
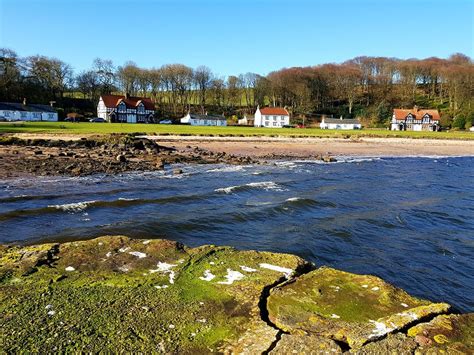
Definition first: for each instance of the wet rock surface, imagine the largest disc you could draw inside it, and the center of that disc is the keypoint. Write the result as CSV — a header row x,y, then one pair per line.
x,y
119,294
445,333
354,309
104,154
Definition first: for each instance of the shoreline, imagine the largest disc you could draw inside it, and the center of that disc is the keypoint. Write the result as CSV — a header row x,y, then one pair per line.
x,y
23,155
268,147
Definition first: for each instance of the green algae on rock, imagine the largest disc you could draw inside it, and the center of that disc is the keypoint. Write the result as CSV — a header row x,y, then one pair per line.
x,y
129,295
346,307
121,294
446,333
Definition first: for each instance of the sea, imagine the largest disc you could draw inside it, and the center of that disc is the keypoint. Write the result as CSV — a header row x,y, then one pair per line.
x,y
407,220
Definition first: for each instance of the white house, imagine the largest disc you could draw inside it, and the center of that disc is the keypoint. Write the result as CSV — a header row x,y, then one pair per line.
x,y
415,120
275,117
13,111
125,109
341,123
194,119
247,120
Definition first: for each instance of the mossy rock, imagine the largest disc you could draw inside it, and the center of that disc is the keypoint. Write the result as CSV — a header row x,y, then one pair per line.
x,y
305,345
445,333
346,307
122,295
392,344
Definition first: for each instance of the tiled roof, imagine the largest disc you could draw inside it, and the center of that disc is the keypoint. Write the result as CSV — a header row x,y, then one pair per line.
x,y
343,121
196,116
274,111
111,101
16,106
401,114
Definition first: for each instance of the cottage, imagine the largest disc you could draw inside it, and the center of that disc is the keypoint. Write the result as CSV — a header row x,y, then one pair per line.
x,y
341,123
13,111
247,120
415,120
194,119
275,117
125,109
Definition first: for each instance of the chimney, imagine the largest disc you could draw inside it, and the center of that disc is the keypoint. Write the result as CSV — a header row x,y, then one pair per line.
x,y
24,101
340,118
127,95
415,108
205,113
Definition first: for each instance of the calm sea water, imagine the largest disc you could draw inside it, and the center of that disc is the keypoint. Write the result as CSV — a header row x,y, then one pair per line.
x,y
407,220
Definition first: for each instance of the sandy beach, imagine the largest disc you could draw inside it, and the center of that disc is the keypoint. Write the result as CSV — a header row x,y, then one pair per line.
x,y
264,147
268,147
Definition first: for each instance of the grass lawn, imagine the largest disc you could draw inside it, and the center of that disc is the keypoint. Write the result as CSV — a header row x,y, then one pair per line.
x,y
107,128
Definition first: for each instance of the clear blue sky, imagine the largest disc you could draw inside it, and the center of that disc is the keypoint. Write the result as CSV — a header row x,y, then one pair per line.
x,y
233,37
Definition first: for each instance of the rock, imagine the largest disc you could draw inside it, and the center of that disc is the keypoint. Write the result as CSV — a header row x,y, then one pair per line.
x,y
350,308
160,164
100,305
121,158
304,344
177,171
446,334
393,344
38,152
328,159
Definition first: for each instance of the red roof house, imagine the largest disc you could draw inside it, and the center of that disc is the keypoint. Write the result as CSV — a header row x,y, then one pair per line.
x,y
126,109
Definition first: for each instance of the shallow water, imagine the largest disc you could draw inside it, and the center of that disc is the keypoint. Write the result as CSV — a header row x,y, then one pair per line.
x,y
407,220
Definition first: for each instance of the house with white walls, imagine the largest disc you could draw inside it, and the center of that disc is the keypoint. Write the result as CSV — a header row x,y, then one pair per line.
x,y
195,119
415,120
126,109
340,123
15,111
274,117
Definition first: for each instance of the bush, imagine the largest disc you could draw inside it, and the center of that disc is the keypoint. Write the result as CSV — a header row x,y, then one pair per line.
x,y
459,122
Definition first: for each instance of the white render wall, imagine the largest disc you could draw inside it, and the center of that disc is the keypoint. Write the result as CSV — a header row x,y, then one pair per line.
x,y
324,125
203,122
272,121
12,115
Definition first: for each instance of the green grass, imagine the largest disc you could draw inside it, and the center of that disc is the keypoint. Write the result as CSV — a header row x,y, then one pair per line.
x,y
107,128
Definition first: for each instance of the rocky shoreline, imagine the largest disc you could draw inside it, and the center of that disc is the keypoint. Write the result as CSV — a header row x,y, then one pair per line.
x,y
119,294
112,154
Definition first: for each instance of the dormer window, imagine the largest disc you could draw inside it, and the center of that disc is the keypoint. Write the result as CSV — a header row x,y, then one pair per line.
x,y
122,107
409,118
141,107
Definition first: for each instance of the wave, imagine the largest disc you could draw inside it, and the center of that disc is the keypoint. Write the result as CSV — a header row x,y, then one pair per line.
x,y
73,207
81,206
265,185
227,169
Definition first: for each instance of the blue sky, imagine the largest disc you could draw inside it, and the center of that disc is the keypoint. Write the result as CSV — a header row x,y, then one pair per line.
x,y
233,37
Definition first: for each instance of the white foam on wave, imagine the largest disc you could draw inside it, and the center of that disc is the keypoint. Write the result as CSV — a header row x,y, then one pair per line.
x,y
227,169
265,185
293,199
73,207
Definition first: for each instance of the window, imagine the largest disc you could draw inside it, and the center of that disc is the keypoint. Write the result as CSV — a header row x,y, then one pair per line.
x,y
274,118
6,113
51,116
23,114
36,115
267,123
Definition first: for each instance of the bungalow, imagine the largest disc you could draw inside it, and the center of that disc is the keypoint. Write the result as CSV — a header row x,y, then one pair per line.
x,y
13,111
125,109
194,119
341,123
415,120
275,117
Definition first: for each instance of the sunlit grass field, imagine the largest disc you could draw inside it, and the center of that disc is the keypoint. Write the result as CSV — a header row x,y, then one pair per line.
x,y
236,131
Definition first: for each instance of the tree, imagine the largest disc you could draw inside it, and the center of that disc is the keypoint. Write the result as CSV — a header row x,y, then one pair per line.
x,y
203,78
